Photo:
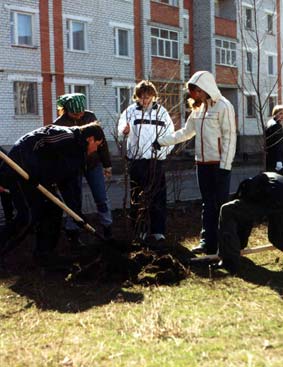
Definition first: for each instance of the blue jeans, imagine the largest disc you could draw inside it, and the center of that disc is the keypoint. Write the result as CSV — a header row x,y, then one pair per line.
x,y
96,181
214,185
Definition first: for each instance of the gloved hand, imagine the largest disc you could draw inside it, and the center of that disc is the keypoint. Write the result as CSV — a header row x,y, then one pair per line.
x,y
156,145
278,166
107,172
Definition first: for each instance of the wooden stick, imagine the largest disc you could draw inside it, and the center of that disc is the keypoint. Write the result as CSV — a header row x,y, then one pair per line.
x,y
246,251
48,194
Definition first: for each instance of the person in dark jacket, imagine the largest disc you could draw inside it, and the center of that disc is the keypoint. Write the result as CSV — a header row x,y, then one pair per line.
x,y
257,198
274,141
72,112
53,156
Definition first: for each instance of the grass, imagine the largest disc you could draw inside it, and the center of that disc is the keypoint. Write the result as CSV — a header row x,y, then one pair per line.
x,y
220,321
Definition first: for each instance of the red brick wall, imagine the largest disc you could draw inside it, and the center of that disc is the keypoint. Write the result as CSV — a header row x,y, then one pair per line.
x,y
165,68
226,75
58,46
225,27
45,63
138,41
166,14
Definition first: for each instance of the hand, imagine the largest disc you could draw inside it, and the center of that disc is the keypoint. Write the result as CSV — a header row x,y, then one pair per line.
x,y
224,171
126,129
156,145
107,172
278,166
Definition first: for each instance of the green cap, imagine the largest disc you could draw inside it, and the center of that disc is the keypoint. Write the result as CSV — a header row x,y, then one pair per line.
x,y
72,102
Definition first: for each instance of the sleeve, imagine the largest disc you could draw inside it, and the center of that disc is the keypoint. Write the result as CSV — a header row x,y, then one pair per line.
x,y
179,136
123,120
228,136
104,155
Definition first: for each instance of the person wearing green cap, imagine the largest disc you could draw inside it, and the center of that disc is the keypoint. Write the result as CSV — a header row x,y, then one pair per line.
x,y
72,112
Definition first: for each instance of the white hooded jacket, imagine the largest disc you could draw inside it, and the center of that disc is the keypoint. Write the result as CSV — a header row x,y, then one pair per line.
x,y
213,125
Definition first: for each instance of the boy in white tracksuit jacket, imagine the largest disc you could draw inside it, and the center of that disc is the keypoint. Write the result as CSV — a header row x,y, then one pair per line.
x,y
142,123
212,122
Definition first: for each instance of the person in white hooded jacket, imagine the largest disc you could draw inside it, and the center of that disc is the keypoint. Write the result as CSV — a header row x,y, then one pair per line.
x,y
141,123
212,122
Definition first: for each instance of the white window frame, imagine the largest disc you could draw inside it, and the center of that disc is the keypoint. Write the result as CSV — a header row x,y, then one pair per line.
x,y
116,27
118,85
168,2
273,57
159,39
186,27
69,34
247,26
253,96
14,13
72,83
17,102
268,17
249,69
225,53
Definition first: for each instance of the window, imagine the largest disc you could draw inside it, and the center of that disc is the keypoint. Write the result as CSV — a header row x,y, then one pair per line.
x,y
249,65
225,52
25,98
169,2
269,23
272,101
250,106
22,28
164,43
249,19
169,96
76,35
123,97
186,27
186,70
122,42
271,65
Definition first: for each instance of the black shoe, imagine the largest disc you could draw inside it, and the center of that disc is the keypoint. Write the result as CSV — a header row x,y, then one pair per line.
x,y
107,233
200,249
225,265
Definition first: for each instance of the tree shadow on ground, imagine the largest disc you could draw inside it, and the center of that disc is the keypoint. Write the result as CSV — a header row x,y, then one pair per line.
x,y
261,276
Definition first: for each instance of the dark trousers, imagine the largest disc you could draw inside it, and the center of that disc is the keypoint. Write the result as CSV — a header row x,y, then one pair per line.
x,y
214,185
148,195
235,224
33,211
7,204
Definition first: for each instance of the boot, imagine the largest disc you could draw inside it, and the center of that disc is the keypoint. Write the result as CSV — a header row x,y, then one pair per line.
x,y
73,237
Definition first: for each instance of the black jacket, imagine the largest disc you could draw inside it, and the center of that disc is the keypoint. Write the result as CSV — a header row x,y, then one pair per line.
x,y
274,145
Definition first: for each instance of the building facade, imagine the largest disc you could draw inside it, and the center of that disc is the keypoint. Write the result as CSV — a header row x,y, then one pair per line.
x,y
103,47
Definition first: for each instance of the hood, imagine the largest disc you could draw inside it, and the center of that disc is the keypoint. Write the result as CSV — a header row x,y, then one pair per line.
x,y
205,81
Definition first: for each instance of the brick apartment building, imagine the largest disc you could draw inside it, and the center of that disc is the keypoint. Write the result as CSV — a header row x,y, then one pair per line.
x,y
102,48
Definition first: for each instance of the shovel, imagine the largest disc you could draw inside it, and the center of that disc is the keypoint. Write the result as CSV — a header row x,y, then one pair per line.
x,y
51,197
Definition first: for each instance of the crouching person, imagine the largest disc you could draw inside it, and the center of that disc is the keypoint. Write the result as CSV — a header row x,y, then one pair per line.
x,y
257,198
53,156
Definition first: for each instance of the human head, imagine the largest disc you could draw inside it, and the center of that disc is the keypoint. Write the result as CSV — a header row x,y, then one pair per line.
x,y
277,113
197,94
145,93
73,104
93,134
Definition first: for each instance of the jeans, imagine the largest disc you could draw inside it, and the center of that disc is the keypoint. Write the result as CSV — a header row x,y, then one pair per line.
x,y
96,181
214,185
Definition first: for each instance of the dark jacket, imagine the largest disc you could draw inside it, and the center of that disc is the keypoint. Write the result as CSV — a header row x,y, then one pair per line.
x,y
50,155
274,144
264,190
102,155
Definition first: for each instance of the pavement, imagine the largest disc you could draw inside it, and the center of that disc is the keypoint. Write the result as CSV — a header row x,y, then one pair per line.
x,y
181,187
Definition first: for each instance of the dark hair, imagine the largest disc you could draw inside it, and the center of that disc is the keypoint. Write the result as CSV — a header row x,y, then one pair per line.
x,y
92,129
145,87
